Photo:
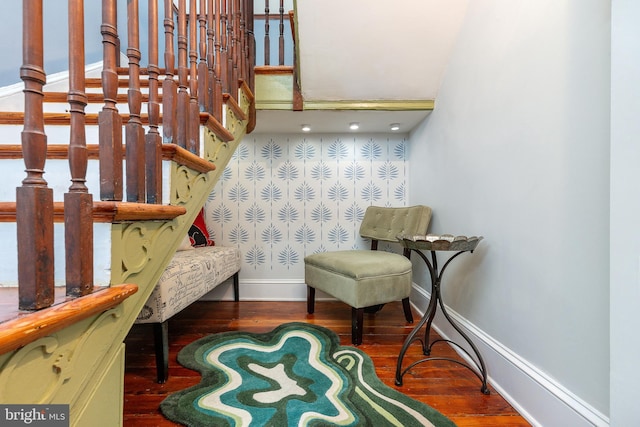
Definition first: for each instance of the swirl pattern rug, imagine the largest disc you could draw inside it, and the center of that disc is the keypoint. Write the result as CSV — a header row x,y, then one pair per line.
x,y
296,375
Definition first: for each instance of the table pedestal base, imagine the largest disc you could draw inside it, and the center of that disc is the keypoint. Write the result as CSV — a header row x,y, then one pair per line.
x,y
477,367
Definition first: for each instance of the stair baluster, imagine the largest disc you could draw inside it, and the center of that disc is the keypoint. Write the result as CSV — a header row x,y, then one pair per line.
x,y
203,71
153,141
169,88
135,166
281,38
110,122
78,203
239,38
193,141
267,40
224,49
34,199
183,76
210,58
240,44
232,56
217,90
250,76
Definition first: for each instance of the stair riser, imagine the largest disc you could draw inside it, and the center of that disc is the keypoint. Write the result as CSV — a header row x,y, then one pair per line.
x,y
58,178
101,254
59,134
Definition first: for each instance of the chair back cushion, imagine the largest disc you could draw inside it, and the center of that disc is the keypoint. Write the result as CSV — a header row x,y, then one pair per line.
x,y
384,223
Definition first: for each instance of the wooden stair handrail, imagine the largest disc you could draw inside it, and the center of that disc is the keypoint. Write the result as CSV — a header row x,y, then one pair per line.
x,y
22,330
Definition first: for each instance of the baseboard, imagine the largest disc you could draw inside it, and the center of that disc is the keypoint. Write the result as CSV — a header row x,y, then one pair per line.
x,y
262,290
536,396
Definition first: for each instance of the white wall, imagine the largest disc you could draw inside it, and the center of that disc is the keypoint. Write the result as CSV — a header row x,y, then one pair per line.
x,y
56,41
517,150
625,212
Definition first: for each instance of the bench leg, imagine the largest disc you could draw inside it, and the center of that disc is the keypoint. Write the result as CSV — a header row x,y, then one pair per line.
x,y
161,341
357,320
406,306
236,287
311,299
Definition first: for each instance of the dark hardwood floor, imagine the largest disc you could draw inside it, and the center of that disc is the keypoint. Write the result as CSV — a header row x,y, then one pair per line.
x,y
447,387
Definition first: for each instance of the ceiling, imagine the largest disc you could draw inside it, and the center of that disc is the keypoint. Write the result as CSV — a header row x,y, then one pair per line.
x,y
280,121
363,51
375,50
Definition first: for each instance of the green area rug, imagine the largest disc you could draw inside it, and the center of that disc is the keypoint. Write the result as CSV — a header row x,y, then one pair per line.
x,y
296,375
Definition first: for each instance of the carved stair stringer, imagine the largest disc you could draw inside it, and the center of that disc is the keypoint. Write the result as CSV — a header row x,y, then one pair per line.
x,y
56,367
83,364
142,249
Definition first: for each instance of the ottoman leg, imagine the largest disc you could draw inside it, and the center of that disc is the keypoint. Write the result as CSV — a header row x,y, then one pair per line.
x,y
357,317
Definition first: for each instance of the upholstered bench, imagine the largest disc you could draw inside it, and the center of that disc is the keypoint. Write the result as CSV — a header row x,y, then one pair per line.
x,y
190,275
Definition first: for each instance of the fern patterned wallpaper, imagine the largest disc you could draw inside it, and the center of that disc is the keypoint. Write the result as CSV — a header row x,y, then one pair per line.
x,y
282,197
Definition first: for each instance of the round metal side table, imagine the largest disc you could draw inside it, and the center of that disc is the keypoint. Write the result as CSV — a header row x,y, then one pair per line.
x,y
437,243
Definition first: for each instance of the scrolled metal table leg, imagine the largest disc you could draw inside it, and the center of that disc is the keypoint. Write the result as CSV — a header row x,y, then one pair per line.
x,y
407,342
436,299
426,318
480,366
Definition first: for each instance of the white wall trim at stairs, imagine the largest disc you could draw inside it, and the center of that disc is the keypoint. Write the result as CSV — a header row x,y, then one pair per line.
x,y
62,76
534,394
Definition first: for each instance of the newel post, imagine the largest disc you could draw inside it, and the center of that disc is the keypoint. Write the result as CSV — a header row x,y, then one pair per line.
x,y
34,200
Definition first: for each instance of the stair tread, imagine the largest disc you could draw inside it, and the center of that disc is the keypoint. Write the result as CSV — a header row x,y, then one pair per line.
x,y
64,119
107,211
61,151
92,97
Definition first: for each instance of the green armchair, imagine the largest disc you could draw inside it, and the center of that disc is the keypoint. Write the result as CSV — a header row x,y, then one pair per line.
x,y
367,279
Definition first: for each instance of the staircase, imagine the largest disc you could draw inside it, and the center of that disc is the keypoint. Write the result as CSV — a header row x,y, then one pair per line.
x,y
118,164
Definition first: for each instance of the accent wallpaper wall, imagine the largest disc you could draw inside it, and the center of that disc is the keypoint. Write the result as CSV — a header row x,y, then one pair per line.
x,y
284,196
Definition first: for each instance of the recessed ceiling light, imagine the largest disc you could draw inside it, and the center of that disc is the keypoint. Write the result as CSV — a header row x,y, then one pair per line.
x,y
394,126
354,126
306,128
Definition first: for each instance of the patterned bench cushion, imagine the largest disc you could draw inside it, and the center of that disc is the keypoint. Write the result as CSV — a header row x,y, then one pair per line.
x,y
189,275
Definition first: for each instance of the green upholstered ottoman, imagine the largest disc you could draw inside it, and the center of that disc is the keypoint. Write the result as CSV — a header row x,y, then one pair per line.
x,y
360,278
